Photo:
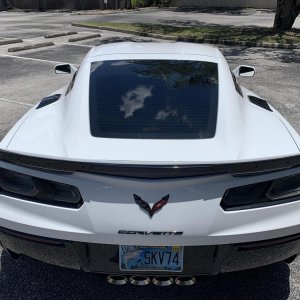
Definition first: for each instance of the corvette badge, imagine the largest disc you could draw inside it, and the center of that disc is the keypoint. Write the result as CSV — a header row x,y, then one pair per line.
x,y
146,207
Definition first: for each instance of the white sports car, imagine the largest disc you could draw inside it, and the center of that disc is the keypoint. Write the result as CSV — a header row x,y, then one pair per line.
x,y
153,162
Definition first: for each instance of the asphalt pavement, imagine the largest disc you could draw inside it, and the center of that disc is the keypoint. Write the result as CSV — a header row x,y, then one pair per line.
x,y
194,17
27,76
30,279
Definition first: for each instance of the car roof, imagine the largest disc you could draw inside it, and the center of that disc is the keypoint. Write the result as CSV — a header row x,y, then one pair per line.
x,y
163,48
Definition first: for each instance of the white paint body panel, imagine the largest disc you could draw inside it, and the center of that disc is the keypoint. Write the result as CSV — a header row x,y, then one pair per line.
x,y
245,132
194,208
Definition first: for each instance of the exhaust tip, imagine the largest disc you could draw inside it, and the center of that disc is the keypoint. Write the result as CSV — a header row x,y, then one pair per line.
x,y
117,279
185,280
139,280
162,280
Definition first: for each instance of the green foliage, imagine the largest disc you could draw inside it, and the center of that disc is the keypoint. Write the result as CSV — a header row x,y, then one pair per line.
x,y
217,32
136,3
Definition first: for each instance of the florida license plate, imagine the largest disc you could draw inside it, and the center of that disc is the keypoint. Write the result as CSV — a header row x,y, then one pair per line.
x,y
143,258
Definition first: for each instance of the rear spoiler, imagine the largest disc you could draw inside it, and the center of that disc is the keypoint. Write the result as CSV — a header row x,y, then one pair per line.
x,y
152,171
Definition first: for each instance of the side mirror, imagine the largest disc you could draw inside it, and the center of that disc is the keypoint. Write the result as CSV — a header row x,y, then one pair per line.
x,y
244,71
65,69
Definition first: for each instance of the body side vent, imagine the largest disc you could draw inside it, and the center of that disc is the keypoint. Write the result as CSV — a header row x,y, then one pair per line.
x,y
260,102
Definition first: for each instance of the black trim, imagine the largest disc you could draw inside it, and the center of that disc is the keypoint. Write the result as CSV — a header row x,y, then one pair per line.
x,y
70,86
267,243
260,102
49,100
237,86
104,258
34,238
153,171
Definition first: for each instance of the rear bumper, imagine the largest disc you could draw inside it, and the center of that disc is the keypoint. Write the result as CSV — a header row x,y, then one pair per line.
x,y
104,258
109,208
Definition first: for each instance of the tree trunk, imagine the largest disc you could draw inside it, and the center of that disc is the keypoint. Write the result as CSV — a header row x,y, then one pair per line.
x,y
286,14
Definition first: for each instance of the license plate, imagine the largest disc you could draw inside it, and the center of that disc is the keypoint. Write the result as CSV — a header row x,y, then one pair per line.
x,y
143,258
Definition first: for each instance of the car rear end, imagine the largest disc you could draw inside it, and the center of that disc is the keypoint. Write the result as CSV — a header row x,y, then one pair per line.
x,y
153,166
212,223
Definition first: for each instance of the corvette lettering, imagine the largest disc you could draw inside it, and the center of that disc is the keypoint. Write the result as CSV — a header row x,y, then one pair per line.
x,y
150,232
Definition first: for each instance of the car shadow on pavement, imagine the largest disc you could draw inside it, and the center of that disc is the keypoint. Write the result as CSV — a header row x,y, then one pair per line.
x,y
185,23
217,10
280,55
117,39
26,278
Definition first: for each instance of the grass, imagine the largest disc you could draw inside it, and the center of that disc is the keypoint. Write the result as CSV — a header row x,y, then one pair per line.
x,y
249,34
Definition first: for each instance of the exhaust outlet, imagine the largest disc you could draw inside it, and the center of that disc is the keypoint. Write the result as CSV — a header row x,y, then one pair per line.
x,y
185,280
117,279
139,280
162,280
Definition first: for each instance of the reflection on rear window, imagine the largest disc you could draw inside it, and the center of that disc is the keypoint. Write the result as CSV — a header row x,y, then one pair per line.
x,y
153,99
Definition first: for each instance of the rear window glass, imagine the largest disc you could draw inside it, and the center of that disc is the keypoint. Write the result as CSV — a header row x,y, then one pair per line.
x,y
153,99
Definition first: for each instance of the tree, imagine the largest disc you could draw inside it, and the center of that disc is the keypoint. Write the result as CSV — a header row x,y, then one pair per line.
x,y
136,3
286,14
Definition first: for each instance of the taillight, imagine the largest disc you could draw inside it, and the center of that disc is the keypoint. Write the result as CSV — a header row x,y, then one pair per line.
x,y
38,189
262,194
17,183
283,188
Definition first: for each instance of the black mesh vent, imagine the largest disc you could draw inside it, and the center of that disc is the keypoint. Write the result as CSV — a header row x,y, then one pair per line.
x,y
49,100
260,102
